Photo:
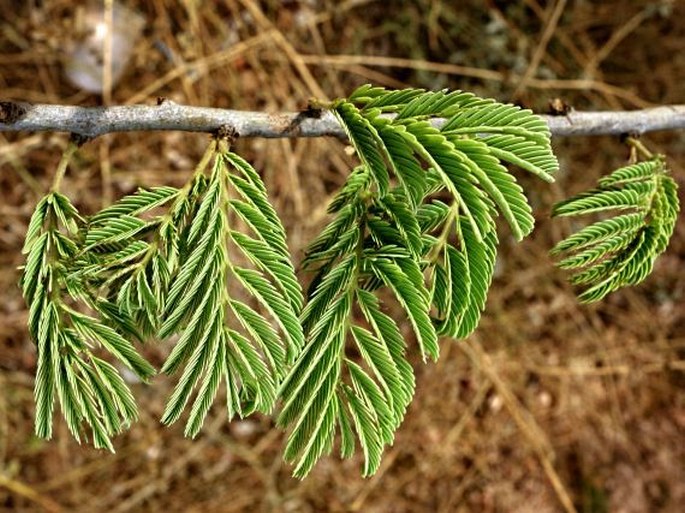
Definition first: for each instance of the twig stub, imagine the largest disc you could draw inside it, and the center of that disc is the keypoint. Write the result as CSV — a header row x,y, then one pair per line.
x,y
227,133
11,112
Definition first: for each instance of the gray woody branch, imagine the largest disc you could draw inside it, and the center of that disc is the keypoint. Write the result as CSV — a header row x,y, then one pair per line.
x,y
95,121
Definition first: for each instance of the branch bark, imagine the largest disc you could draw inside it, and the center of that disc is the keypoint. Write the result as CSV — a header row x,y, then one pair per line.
x,y
94,121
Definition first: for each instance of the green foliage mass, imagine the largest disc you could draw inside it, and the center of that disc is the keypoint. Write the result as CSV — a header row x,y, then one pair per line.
x,y
90,390
208,266
618,251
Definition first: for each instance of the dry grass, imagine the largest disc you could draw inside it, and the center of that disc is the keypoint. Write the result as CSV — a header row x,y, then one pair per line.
x,y
549,407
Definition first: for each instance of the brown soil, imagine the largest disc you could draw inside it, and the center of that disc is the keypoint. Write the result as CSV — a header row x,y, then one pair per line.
x,y
548,401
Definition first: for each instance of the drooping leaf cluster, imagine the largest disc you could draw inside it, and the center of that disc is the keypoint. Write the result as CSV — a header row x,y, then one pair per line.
x,y
207,264
91,391
616,252
233,299
411,241
414,223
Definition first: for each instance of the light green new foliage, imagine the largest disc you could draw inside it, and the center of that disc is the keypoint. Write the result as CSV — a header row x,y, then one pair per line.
x,y
415,222
619,251
234,299
90,390
326,388
130,257
208,262
413,232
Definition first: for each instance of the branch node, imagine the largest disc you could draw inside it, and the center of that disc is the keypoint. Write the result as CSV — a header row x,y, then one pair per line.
x,y
626,136
558,107
11,112
313,111
79,139
227,133
163,100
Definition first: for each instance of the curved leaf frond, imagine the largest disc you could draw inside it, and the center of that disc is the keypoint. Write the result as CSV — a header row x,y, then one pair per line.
x,y
620,251
329,389
234,298
90,391
416,218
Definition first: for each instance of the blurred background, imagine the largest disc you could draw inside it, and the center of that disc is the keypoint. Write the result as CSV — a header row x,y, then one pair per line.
x,y
549,406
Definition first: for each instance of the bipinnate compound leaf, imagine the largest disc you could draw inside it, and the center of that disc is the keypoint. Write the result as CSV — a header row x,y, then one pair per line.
x,y
234,299
616,252
326,390
91,392
414,224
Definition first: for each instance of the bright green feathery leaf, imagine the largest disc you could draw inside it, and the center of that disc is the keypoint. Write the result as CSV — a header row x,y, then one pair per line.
x,y
380,98
414,299
129,254
357,181
451,290
481,260
633,173
456,177
90,391
394,207
437,104
405,165
117,230
498,183
466,153
143,200
512,134
327,390
616,252
384,236
599,231
487,116
234,298
35,229
365,140
636,195
414,103
461,274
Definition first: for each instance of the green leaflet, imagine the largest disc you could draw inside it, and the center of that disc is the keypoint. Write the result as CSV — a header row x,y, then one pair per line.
x,y
129,255
500,185
90,391
412,295
456,178
461,274
512,134
248,343
616,252
143,200
365,140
